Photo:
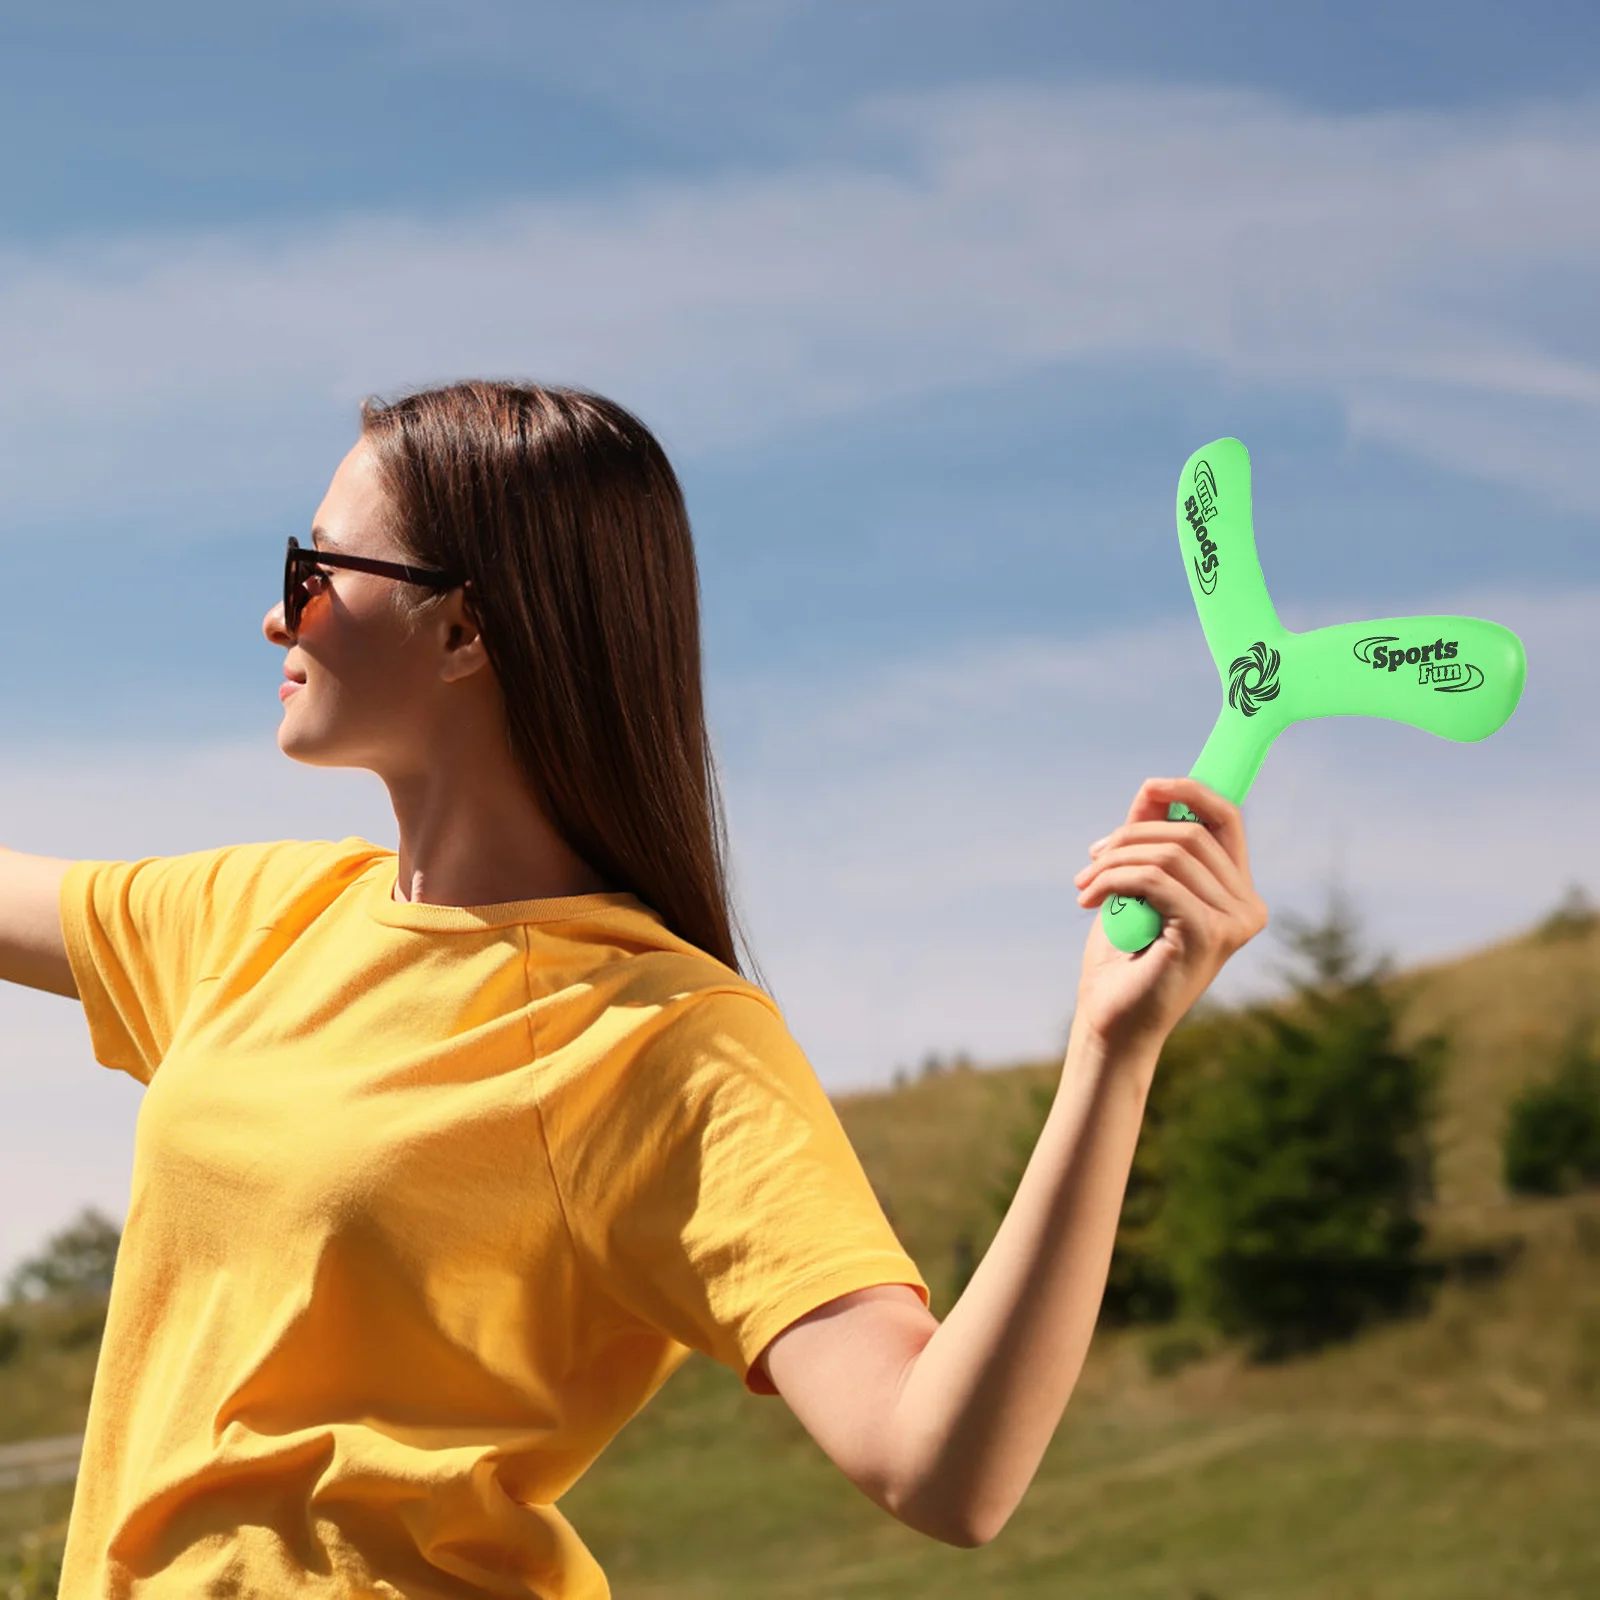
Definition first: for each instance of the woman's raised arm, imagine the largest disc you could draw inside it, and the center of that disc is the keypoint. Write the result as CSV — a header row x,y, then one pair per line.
x,y
32,950
944,1424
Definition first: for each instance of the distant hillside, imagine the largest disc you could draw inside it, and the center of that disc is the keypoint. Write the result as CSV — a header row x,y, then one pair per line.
x,y
936,1147
1506,1010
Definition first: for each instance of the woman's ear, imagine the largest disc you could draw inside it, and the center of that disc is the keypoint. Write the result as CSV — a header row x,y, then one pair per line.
x,y
465,653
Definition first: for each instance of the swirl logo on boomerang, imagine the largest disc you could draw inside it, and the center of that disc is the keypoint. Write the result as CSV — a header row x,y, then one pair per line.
x,y
1436,663
1199,509
1253,678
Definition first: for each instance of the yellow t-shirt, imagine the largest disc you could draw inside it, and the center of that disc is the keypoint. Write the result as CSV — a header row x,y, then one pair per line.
x,y
427,1202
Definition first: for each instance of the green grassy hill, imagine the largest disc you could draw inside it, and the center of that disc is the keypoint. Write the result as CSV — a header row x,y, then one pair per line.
x,y
1453,1454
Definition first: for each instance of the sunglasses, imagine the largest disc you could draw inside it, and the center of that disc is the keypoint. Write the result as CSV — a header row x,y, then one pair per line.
x,y
300,564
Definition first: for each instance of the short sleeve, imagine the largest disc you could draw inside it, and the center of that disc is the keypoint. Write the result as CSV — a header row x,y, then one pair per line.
x,y
709,1183
141,935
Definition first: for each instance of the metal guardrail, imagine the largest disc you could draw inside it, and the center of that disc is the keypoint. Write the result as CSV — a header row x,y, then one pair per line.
x,y
40,1461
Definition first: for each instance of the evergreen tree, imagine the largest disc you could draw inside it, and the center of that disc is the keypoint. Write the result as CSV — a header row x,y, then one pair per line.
x,y
1139,1287
1295,1178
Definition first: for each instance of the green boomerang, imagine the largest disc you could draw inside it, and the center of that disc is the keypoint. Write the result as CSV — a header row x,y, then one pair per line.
x,y
1458,677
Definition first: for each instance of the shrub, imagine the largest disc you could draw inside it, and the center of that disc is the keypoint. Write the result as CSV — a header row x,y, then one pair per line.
x,y
1552,1134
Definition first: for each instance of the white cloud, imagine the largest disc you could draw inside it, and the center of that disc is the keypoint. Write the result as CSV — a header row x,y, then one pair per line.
x,y
905,844
908,844
1384,261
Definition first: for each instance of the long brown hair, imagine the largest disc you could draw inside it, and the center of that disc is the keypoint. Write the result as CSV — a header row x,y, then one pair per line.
x,y
563,511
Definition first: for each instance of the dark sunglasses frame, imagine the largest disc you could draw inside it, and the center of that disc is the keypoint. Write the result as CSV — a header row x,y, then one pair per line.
x,y
297,558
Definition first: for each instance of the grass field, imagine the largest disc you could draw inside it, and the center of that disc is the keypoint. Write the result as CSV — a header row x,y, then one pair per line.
x,y
33,1525
711,1496
1454,1454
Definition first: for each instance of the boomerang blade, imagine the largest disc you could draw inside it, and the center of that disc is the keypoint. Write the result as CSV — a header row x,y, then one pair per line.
x,y
1458,677
1216,530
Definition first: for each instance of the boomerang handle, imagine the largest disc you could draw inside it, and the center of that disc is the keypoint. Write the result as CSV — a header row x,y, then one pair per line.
x,y
1133,925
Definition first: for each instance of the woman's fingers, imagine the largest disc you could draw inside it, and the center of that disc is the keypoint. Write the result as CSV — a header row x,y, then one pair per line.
x,y
1223,820
1163,841
1179,859
1170,895
1210,863
1181,892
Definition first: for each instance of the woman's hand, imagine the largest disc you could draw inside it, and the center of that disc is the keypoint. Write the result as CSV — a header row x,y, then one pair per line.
x,y
1198,878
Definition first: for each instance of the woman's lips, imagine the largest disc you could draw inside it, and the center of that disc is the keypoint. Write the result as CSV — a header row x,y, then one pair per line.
x,y
288,687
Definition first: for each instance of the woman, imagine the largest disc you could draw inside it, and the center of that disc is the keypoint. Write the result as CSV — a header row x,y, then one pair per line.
x,y
450,1156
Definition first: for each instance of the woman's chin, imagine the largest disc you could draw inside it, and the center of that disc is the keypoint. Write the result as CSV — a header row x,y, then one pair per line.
x,y
297,741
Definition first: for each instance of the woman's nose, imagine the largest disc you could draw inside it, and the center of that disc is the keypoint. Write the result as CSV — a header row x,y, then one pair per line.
x,y
272,626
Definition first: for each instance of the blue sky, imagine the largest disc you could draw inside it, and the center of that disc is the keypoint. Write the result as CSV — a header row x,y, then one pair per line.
x,y
929,303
